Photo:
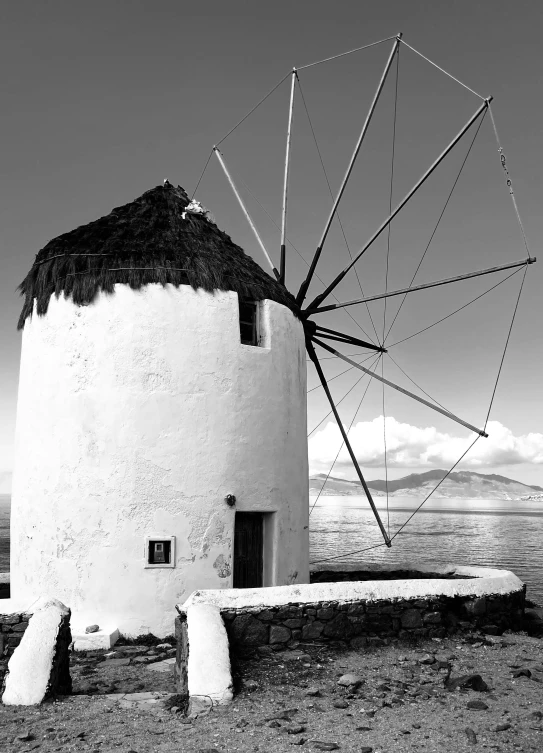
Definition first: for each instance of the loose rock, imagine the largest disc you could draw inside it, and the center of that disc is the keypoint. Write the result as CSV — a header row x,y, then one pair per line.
x,y
475,682
92,628
25,737
313,691
427,659
350,681
477,705
470,734
321,745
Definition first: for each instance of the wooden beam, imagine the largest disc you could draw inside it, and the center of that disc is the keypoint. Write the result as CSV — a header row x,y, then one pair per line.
x,y
245,211
424,286
401,389
305,285
332,334
313,356
282,266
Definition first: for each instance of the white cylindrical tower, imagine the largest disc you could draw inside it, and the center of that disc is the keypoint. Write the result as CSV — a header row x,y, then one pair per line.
x,y
145,407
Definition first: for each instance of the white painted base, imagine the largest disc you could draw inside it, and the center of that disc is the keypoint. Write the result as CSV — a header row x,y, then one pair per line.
x,y
208,670
481,581
104,638
121,405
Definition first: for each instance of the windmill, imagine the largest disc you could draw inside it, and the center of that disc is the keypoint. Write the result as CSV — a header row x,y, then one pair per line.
x,y
161,440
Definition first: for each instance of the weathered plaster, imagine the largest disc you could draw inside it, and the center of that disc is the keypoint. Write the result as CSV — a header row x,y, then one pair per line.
x,y
482,581
137,415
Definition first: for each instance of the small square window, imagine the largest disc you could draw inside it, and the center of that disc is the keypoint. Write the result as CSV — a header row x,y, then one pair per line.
x,y
248,322
160,551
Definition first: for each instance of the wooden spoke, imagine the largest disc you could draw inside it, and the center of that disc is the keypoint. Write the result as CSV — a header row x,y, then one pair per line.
x,y
282,266
401,389
324,383
245,211
305,285
320,298
424,286
332,334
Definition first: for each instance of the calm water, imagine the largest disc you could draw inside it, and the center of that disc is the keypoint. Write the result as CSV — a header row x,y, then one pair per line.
x,y
491,533
477,532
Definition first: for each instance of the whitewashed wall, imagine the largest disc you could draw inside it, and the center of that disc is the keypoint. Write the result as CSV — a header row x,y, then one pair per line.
x,y
136,415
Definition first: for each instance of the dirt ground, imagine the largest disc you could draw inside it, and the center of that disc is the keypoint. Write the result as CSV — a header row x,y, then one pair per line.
x,y
293,698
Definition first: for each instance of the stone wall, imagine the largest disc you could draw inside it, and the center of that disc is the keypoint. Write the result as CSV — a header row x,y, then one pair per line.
x,y
366,622
12,627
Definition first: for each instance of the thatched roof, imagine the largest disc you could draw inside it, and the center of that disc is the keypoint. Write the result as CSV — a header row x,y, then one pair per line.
x,y
146,241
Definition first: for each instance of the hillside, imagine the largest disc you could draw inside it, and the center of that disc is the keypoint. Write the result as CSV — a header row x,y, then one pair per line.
x,y
458,484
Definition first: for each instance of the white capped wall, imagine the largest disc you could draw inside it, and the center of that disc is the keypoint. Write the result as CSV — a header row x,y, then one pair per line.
x,y
137,415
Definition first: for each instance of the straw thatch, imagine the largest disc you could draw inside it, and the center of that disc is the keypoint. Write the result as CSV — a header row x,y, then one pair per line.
x,y
145,241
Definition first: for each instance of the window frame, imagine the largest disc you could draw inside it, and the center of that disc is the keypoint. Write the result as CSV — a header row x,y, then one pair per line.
x,y
254,322
159,539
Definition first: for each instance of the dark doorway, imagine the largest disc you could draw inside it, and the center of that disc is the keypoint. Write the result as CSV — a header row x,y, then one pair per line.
x,y
248,548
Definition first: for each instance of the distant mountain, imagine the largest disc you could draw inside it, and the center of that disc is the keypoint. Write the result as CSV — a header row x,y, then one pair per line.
x,y
457,484
5,482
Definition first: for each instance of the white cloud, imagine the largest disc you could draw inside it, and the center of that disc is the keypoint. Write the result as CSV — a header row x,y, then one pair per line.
x,y
415,447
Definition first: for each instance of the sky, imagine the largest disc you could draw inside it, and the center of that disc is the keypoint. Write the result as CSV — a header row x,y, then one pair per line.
x,y
102,101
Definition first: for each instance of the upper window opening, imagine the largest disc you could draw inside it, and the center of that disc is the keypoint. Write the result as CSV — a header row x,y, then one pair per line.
x,y
248,322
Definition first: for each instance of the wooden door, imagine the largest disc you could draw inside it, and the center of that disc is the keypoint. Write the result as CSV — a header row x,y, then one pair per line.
x,y
248,550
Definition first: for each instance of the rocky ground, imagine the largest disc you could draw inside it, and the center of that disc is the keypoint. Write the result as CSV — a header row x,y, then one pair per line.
x,y
397,697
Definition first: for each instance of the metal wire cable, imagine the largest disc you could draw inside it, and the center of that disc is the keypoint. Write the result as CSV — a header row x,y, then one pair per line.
x,y
254,108
329,358
418,385
437,225
456,310
385,445
338,403
506,345
389,230
319,386
342,54
202,175
443,70
348,554
342,442
436,487
332,195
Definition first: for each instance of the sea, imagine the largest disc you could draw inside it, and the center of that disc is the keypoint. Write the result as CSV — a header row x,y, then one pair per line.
x,y
486,532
